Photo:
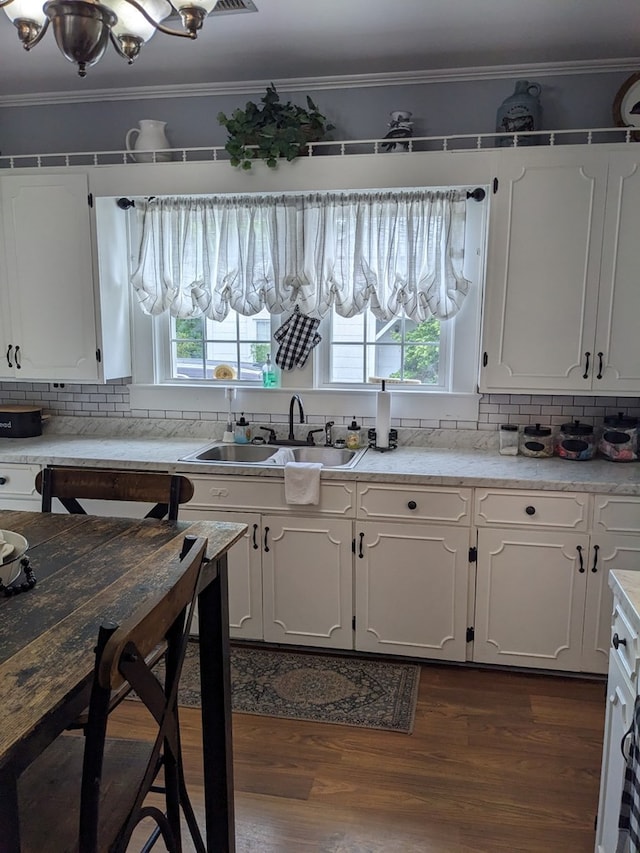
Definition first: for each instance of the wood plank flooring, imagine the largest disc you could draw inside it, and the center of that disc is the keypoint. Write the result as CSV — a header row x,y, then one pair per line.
x,y
498,761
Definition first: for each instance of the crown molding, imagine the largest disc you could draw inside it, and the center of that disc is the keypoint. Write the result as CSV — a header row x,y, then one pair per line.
x,y
307,84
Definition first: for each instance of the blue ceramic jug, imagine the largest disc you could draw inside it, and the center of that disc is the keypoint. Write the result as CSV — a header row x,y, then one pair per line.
x,y
519,113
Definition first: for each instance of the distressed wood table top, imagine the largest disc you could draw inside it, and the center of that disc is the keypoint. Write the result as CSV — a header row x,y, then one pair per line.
x,y
89,570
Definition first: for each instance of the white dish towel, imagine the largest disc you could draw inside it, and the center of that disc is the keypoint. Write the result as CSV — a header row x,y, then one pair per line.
x,y
302,482
281,457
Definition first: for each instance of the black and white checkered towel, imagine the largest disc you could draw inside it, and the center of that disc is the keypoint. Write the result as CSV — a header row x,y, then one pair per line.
x,y
629,823
297,336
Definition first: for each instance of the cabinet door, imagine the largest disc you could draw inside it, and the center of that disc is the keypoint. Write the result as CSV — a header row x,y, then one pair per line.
x,y
245,573
543,268
619,303
50,282
411,589
307,581
530,596
618,718
608,551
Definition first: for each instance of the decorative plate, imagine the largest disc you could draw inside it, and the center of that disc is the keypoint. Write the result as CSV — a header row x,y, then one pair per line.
x,y
626,107
13,546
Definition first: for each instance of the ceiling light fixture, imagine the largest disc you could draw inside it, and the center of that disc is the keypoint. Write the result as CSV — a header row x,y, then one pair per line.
x,y
83,28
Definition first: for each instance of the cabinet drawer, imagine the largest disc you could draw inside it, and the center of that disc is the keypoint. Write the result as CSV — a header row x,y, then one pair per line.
x,y
251,493
625,637
616,514
18,481
534,509
414,503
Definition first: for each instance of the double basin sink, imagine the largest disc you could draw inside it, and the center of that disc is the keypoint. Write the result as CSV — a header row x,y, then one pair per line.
x,y
262,454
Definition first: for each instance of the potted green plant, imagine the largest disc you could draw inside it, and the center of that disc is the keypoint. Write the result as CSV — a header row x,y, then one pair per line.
x,y
272,131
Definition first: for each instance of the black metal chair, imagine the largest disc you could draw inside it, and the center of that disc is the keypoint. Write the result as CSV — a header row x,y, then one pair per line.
x,y
166,491
88,794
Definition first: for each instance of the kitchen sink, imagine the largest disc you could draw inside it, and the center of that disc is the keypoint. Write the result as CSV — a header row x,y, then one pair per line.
x,y
260,454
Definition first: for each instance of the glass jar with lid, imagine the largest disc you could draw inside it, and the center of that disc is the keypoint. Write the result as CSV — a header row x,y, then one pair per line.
x,y
576,441
536,441
508,440
620,438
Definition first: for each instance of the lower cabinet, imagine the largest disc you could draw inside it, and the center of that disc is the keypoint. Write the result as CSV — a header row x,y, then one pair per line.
x,y
18,486
245,573
307,581
411,584
622,688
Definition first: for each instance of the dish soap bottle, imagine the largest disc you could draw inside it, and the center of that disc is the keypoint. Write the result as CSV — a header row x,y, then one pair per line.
x,y
242,434
353,435
269,376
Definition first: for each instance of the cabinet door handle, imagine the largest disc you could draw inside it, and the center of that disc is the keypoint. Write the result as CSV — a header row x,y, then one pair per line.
x,y
594,568
587,356
18,365
412,505
600,356
9,362
360,552
579,550
616,641
266,535
255,537
530,510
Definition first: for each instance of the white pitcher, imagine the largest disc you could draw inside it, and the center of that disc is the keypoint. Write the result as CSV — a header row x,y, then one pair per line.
x,y
150,141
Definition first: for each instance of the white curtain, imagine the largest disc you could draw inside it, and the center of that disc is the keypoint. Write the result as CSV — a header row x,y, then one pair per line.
x,y
394,252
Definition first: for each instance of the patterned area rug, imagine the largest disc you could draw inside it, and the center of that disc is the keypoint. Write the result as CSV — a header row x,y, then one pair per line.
x,y
318,687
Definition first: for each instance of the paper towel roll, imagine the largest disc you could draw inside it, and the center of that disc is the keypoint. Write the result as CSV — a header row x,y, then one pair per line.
x,y
383,418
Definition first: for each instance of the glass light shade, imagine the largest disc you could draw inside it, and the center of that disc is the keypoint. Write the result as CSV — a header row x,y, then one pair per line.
x,y
27,10
207,5
132,23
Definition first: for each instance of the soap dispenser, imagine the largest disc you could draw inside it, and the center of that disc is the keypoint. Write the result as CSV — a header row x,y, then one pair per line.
x,y
353,435
242,433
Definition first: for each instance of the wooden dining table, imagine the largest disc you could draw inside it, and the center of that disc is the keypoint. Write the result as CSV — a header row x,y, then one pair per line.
x,y
89,570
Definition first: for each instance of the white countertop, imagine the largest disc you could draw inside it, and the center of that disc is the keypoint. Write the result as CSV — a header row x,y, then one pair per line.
x,y
421,465
626,586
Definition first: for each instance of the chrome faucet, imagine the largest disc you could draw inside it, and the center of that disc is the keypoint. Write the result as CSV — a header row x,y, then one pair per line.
x,y
300,409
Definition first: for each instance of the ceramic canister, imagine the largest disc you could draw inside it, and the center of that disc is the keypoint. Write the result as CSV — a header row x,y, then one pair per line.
x,y
619,439
519,113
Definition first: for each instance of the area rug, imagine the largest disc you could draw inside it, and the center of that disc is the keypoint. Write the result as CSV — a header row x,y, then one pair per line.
x,y
322,688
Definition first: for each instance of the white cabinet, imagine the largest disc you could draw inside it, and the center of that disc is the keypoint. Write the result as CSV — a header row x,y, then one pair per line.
x,y
531,578
561,283
51,325
412,574
290,578
18,486
244,574
622,688
307,581
614,544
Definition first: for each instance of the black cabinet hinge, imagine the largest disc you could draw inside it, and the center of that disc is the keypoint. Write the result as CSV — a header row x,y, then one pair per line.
x,y
485,359
495,186
353,545
473,555
470,635
90,199
98,356
353,623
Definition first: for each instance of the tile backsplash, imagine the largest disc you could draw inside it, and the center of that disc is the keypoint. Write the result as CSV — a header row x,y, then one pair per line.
x,y
112,401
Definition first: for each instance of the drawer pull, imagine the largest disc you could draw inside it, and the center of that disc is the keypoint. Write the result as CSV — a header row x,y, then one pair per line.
x,y
617,642
412,505
3,480
530,510
579,550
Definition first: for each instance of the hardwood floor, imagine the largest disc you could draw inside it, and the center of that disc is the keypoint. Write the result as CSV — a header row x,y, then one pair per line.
x,y
497,761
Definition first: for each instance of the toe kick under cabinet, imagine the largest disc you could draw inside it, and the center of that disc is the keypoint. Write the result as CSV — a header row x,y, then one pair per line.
x,y
542,596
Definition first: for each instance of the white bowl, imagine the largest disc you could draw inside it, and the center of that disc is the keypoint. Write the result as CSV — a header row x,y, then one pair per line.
x,y
10,566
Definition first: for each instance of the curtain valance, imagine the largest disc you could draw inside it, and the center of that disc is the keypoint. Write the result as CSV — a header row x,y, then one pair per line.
x,y
394,252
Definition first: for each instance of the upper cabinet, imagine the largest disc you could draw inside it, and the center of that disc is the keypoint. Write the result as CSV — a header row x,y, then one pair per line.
x,y
52,325
561,292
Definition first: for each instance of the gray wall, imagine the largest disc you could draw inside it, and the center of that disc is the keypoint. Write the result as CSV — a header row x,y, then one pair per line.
x,y
569,101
